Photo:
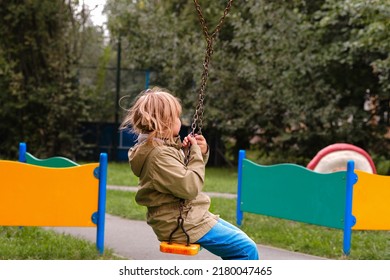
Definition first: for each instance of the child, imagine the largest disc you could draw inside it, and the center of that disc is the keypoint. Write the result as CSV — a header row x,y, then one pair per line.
x,y
168,186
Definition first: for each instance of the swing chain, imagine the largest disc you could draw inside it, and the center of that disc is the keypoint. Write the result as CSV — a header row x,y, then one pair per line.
x,y
198,115
180,223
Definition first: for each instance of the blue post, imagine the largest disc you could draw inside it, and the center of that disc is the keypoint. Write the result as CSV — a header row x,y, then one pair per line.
x,y
101,202
22,152
349,220
147,78
239,213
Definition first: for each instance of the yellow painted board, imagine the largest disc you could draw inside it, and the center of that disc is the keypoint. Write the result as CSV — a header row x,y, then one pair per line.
x,y
32,195
371,202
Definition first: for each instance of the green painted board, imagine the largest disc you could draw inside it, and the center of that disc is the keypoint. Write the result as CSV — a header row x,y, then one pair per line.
x,y
290,191
50,162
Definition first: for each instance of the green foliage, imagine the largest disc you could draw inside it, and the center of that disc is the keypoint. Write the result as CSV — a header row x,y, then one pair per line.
x,y
360,29
352,39
382,165
295,74
39,46
96,87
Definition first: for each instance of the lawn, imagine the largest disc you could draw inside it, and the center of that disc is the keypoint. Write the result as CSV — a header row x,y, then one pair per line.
x,y
217,179
34,243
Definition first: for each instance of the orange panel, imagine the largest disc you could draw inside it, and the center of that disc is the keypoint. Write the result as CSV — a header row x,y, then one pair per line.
x,y
31,195
371,202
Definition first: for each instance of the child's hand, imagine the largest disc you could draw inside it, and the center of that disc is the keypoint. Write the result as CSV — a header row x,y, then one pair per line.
x,y
202,143
188,141
196,140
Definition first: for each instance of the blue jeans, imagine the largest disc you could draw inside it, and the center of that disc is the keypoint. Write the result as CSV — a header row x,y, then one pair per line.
x,y
229,242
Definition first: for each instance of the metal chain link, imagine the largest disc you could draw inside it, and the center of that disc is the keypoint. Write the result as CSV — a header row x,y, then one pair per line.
x,y
198,115
197,120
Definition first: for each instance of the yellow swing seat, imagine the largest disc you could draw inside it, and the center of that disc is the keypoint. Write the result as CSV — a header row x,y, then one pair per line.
x,y
177,248
189,249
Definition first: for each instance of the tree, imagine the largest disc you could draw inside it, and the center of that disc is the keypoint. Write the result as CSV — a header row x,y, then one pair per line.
x,y
293,73
352,57
39,52
310,86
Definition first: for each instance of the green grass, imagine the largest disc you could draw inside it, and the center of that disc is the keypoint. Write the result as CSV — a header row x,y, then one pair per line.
x,y
120,174
33,243
217,179
294,236
121,203
223,180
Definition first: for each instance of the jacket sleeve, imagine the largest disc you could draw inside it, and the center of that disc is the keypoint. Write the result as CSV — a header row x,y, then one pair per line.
x,y
171,175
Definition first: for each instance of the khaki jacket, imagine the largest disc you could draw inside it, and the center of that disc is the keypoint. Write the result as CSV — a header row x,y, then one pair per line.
x,y
164,179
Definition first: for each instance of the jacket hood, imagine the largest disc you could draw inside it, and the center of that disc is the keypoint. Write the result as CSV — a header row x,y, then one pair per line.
x,y
139,153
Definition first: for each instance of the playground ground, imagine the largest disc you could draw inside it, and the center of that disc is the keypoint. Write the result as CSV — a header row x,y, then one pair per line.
x,y
135,240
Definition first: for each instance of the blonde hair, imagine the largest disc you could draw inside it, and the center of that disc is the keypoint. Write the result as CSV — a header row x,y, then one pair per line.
x,y
153,112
